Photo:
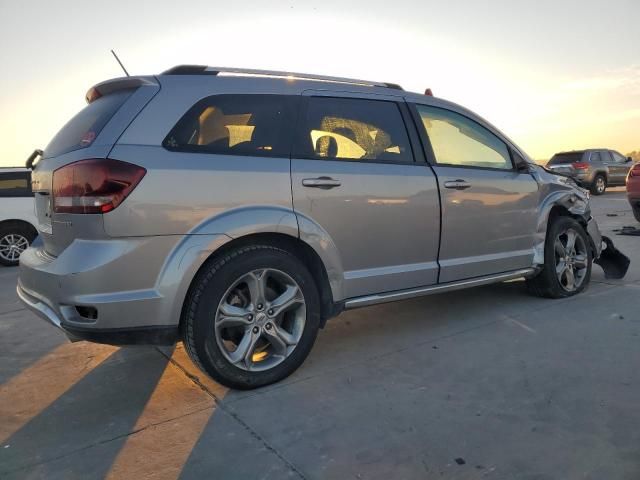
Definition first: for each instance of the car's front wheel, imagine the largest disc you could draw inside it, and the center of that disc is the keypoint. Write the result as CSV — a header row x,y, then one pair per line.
x,y
251,316
568,260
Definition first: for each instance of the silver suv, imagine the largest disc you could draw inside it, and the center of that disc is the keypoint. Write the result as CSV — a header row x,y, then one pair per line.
x,y
238,210
595,169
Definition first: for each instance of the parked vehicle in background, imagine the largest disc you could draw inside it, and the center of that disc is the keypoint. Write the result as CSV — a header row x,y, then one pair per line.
x,y
17,216
595,169
633,189
239,210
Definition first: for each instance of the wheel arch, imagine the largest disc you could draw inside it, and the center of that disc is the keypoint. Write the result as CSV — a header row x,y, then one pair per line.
x,y
560,203
300,249
18,221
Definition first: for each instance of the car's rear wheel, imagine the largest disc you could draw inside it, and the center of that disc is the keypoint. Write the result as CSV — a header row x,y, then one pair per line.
x,y
15,238
599,184
251,317
636,210
568,260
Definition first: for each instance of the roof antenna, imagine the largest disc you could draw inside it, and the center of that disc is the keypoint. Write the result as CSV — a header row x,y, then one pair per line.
x,y
120,63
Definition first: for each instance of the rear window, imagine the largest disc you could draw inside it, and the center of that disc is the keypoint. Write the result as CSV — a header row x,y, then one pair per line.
x,y
86,125
245,124
15,184
353,129
561,158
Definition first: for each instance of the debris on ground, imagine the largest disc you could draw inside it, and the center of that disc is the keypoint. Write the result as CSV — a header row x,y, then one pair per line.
x,y
614,263
634,231
460,461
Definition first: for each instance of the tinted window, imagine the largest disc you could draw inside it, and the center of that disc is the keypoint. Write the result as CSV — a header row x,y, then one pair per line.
x,y
458,140
595,157
618,158
563,158
15,184
353,129
81,130
256,125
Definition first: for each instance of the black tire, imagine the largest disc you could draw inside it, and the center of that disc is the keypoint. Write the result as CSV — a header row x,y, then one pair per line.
x,y
595,186
546,283
205,295
636,211
15,228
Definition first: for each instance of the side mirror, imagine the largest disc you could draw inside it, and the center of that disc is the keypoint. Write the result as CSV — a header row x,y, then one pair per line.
x,y
629,159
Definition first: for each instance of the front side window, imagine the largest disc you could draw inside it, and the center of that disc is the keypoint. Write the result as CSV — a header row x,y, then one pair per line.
x,y
458,140
252,125
353,129
618,158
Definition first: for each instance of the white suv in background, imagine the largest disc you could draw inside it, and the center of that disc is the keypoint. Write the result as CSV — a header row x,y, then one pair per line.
x,y
17,217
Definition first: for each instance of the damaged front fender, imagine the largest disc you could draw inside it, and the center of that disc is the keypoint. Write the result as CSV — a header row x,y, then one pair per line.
x,y
561,191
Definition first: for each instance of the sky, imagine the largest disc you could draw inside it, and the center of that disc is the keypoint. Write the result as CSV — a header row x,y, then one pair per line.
x,y
552,75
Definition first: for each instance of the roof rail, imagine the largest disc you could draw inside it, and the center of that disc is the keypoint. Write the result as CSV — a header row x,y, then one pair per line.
x,y
204,70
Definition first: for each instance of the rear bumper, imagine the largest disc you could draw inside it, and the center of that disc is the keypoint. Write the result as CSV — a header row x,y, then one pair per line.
x,y
145,335
118,280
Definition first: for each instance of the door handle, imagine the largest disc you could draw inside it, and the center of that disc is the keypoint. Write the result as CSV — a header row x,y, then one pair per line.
x,y
457,184
321,182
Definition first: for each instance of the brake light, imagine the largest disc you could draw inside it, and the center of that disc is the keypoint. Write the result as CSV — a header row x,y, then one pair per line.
x,y
92,95
580,165
97,185
635,171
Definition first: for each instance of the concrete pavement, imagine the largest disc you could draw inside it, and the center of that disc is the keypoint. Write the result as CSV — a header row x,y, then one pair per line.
x,y
483,383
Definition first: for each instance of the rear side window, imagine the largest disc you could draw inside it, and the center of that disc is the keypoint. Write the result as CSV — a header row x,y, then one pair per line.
x,y
15,184
353,129
564,158
82,130
458,140
595,157
252,125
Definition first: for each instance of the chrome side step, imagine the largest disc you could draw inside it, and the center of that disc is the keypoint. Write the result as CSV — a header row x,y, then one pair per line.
x,y
445,287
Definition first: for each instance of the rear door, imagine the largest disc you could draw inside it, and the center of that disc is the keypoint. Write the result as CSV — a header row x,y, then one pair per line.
x,y
356,183
489,209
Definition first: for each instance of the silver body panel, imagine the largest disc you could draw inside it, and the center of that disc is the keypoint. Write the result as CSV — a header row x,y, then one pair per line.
x,y
390,231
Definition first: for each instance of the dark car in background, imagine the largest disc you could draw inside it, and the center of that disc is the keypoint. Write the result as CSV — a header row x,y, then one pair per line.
x,y
595,169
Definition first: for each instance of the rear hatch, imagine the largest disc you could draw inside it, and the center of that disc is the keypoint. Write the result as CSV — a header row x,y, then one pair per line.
x,y
564,162
87,137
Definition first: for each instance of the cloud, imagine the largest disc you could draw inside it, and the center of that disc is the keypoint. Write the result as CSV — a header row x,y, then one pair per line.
x,y
627,78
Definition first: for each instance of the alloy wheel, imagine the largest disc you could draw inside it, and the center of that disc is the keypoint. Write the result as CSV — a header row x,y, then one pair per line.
x,y
571,259
600,185
12,245
260,319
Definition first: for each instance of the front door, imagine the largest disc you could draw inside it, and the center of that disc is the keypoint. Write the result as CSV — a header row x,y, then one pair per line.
x,y
356,184
489,209
618,168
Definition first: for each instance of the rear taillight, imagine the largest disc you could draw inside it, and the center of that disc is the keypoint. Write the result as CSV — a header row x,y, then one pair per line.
x,y
97,185
580,165
635,171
